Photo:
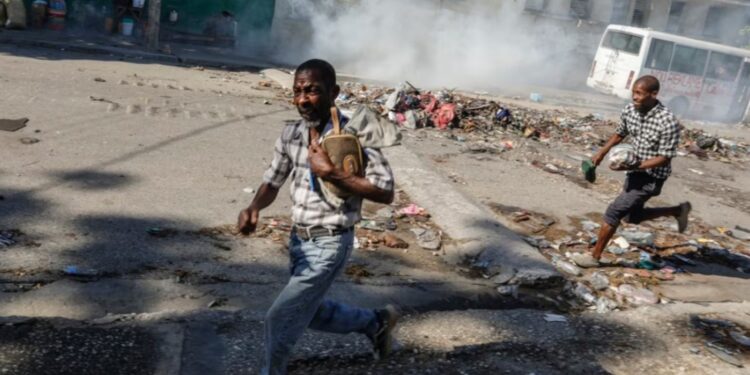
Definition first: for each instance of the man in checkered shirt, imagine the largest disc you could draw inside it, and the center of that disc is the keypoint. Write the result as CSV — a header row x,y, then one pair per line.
x,y
655,135
323,234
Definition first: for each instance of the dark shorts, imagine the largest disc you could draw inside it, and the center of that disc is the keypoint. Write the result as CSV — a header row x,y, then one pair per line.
x,y
639,188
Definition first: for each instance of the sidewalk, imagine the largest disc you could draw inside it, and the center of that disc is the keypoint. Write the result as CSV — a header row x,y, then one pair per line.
x,y
101,44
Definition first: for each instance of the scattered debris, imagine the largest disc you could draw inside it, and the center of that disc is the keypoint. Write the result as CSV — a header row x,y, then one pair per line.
x,y
412,210
622,243
508,290
584,260
74,270
357,271
372,225
29,140
7,238
103,100
13,125
555,318
99,79
427,238
638,238
217,302
504,276
605,305
569,268
392,241
599,281
222,246
723,355
637,296
583,292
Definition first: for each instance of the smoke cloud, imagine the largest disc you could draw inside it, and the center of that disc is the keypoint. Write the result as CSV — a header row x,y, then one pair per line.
x,y
438,44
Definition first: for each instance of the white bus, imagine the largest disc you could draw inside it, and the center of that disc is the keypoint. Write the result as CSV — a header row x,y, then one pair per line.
x,y
698,79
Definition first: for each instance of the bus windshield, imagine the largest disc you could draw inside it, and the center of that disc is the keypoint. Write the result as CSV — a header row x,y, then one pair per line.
x,y
625,42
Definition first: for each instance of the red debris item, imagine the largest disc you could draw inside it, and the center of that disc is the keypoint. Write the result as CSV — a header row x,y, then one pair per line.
x,y
400,118
429,103
444,116
412,210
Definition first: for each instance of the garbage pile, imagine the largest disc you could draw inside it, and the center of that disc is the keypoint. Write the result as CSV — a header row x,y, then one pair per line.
x,y
413,109
702,145
638,258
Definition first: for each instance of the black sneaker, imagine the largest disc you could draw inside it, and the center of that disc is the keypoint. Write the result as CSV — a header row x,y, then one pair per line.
x,y
682,219
382,342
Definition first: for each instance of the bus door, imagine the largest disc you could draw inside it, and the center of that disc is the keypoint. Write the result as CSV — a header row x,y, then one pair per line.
x,y
621,60
720,85
741,100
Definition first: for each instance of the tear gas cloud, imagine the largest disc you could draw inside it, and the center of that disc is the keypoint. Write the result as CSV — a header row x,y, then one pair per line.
x,y
437,44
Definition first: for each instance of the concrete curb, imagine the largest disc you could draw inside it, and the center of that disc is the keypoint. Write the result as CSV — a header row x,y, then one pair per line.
x,y
481,239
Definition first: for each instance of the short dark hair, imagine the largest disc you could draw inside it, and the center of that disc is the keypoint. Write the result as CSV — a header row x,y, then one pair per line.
x,y
324,68
652,83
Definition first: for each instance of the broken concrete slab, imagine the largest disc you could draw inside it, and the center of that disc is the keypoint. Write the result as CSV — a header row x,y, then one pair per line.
x,y
479,237
281,77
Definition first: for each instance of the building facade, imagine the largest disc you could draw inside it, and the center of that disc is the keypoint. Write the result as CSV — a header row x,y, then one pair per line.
x,y
719,21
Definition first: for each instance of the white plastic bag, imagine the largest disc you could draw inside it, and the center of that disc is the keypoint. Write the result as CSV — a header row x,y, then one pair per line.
x,y
623,154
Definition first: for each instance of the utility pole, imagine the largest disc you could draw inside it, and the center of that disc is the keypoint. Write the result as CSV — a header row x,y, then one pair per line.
x,y
154,17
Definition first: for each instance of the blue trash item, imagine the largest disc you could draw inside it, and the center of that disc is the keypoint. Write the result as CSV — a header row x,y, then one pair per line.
x,y
503,115
646,262
536,97
73,270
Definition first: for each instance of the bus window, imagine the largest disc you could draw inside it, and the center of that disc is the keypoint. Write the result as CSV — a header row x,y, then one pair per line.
x,y
689,60
623,42
723,67
659,55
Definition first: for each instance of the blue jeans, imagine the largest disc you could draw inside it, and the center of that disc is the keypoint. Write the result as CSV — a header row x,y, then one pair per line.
x,y
314,266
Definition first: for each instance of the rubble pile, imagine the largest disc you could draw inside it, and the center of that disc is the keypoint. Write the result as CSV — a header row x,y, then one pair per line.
x,y
397,226
411,108
639,258
701,144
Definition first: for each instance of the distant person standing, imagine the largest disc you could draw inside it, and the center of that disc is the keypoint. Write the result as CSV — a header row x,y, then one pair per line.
x,y
655,135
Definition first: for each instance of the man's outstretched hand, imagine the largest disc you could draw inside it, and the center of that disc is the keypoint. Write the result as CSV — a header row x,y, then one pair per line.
x,y
247,221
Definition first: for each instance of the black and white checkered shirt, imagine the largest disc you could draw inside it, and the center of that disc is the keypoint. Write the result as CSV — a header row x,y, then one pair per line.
x,y
655,134
309,206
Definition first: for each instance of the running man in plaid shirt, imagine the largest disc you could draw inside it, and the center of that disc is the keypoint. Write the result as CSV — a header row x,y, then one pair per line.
x,y
323,233
655,135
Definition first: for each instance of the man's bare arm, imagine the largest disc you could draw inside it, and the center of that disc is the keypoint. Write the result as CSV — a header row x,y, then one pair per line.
x,y
248,219
359,186
613,141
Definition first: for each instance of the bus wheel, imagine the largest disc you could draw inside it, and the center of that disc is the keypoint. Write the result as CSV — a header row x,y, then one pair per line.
x,y
679,106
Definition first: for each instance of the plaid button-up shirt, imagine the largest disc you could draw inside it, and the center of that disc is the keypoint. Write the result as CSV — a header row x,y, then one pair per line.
x,y
656,133
309,206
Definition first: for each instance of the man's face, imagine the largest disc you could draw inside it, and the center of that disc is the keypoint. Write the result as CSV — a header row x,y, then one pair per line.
x,y
643,98
311,96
